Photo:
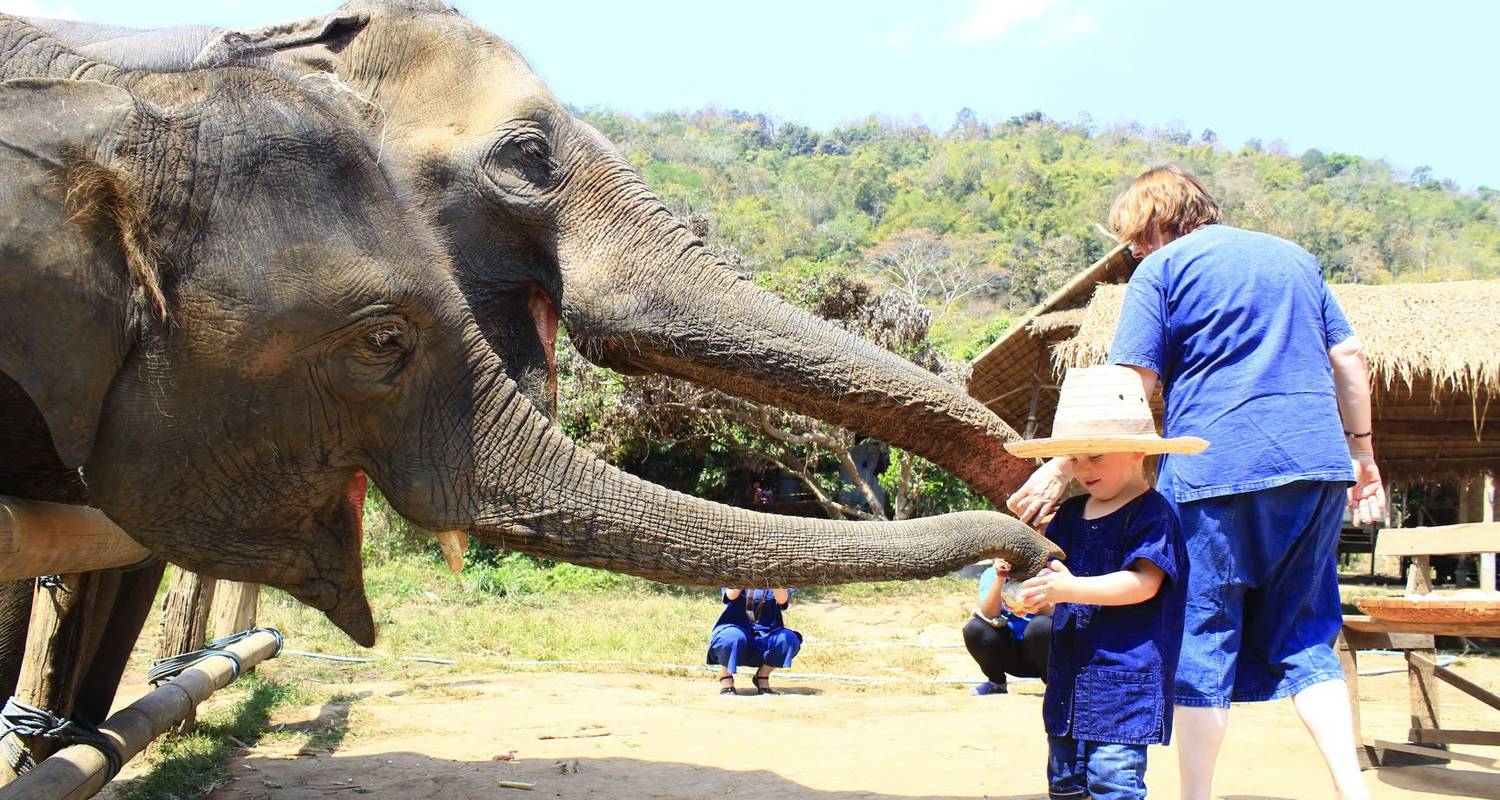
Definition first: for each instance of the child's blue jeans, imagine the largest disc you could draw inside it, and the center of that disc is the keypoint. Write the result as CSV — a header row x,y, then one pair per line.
x,y
1079,769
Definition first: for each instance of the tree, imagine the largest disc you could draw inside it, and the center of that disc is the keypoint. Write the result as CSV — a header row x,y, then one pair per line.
x,y
635,420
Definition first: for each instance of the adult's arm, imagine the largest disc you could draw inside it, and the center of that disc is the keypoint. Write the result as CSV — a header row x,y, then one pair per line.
x,y
782,596
1351,383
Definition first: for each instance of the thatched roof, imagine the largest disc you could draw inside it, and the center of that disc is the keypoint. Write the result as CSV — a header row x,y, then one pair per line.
x,y
1434,351
1006,371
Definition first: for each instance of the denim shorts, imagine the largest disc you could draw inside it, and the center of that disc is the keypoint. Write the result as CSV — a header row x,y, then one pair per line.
x,y
1263,596
1079,770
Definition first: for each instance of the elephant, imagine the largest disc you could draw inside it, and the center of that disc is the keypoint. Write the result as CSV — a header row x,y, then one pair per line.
x,y
547,223
258,318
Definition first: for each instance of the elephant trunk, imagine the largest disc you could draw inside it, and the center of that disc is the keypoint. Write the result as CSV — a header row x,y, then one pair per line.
x,y
680,311
546,496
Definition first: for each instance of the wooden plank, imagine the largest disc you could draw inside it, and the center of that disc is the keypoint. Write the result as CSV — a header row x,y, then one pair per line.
x,y
38,538
235,606
1384,640
1446,429
1414,749
79,772
1422,687
1455,737
1440,540
1366,623
1452,678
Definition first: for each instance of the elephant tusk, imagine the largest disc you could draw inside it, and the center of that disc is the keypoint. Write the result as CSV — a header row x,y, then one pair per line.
x,y
453,544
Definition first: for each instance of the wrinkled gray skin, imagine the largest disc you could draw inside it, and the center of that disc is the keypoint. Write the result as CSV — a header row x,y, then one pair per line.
x,y
543,215
312,332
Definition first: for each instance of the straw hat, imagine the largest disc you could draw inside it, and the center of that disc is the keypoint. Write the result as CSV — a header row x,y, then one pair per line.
x,y
1103,410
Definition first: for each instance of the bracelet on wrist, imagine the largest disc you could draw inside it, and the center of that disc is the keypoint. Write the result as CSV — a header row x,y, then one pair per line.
x,y
1365,435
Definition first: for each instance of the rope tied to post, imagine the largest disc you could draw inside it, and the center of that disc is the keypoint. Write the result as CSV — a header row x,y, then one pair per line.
x,y
17,719
165,669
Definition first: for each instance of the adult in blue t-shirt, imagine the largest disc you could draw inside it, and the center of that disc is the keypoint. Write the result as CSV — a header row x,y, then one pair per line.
x,y
1252,353
1003,641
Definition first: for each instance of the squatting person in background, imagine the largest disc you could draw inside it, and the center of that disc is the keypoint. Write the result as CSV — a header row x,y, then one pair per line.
x,y
1252,353
1002,640
750,632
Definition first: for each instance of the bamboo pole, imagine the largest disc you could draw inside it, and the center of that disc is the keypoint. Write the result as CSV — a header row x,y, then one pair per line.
x,y
39,538
79,772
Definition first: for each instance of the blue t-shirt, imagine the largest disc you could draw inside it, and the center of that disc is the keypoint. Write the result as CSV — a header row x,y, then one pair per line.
x,y
1110,668
754,610
1016,622
1238,325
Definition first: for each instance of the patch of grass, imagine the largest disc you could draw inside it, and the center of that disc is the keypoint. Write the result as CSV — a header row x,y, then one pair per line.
x,y
192,765
495,617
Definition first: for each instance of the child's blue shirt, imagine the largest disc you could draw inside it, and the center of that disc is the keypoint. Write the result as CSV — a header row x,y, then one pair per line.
x,y
1110,673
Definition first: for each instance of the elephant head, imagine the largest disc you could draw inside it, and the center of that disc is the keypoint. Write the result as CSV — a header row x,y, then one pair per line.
x,y
546,222
232,316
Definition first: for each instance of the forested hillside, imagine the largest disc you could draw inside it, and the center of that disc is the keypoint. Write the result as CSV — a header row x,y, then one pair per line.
x,y
945,236
983,220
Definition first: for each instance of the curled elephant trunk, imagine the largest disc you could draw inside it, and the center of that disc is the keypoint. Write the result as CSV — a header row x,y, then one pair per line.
x,y
560,502
679,311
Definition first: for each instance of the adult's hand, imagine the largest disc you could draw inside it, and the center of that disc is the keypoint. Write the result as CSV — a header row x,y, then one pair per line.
x,y
1367,496
1032,502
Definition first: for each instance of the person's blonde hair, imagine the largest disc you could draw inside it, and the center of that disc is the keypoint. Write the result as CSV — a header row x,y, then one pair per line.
x,y
1165,196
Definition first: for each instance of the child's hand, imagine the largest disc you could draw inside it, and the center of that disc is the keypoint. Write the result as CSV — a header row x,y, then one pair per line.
x,y
1051,585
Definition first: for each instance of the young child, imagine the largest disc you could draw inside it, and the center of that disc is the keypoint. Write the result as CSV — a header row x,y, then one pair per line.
x,y
1117,604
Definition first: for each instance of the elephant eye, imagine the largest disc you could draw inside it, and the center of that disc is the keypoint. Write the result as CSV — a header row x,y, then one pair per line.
x,y
386,338
525,156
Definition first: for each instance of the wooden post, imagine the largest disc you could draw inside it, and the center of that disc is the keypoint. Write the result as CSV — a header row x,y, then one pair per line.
x,y
80,772
1465,514
184,622
1036,390
64,623
38,538
1423,687
1349,660
1419,575
235,607
1487,514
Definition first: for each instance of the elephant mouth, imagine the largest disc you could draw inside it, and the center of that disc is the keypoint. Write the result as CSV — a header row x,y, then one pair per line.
x,y
350,610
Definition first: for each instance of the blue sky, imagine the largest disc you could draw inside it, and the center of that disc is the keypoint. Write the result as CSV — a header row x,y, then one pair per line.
x,y
1414,83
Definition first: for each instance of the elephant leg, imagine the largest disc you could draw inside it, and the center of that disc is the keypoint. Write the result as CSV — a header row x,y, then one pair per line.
x,y
132,604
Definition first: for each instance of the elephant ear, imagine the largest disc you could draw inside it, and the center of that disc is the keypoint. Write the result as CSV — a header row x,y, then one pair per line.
x,y
75,263
319,39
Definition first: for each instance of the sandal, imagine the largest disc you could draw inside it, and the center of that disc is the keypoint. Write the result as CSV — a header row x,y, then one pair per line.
x,y
763,685
726,688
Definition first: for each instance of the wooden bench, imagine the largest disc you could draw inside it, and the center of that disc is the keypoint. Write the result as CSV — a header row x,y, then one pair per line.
x,y
1426,739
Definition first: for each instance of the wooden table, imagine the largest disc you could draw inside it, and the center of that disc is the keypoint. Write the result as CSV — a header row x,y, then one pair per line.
x,y
1426,739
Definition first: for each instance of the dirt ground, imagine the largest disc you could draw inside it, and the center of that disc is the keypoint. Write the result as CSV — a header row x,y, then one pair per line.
x,y
624,735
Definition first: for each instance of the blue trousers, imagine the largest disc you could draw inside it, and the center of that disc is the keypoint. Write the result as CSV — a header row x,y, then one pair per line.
x,y
1080,770
1263,596
731,646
